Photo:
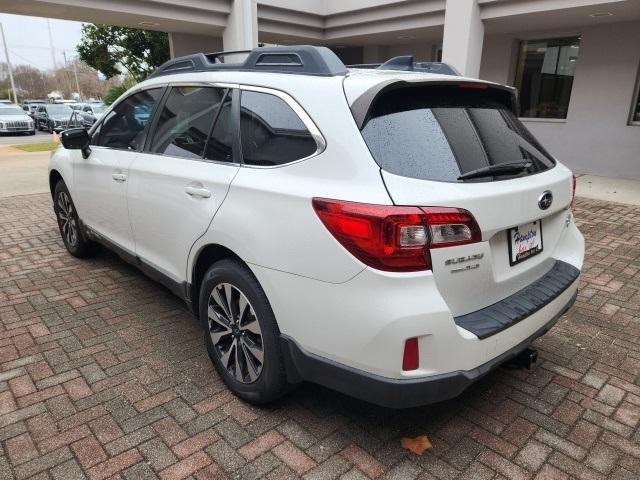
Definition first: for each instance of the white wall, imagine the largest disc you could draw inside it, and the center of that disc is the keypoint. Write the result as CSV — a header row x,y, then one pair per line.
x,y
184,44
421,51
596,137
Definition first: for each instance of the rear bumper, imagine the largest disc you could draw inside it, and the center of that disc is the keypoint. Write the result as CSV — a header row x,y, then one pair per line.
x,y
395,393
497,317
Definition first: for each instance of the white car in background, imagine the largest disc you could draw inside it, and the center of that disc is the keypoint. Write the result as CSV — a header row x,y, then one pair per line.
x,y
392,233
13,119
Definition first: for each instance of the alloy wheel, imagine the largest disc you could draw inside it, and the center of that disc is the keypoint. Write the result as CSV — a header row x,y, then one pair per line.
x,y
235,333
67,219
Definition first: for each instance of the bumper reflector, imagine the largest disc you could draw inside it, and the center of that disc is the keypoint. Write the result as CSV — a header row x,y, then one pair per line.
x,y
411,357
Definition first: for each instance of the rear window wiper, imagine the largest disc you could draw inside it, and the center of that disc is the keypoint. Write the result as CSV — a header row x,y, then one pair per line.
x,y
499,169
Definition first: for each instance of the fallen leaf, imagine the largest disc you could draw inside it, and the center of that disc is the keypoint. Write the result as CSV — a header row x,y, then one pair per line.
x,y
416,445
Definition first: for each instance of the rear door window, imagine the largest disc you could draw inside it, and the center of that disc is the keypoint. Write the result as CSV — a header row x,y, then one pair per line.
x,y
220,144
271,132
186,120
441,132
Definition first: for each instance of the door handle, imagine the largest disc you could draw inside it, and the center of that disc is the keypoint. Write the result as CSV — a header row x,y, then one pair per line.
x,y
119,177
197,191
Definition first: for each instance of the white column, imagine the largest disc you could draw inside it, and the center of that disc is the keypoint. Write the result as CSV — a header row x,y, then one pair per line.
x,y
463,36
241,32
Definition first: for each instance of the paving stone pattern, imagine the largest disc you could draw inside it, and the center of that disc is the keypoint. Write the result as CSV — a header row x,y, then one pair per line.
x,y
103,374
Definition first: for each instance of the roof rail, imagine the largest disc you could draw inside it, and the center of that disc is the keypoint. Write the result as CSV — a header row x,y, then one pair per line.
x,y
300,59
405,63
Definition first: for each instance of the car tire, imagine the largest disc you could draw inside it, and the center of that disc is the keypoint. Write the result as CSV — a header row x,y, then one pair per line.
x,y
33,132
69,224
246,350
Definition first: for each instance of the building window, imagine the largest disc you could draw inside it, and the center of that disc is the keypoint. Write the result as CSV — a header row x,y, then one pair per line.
x,y
544,76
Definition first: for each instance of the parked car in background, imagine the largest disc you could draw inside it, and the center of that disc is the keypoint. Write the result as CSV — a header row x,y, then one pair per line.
x,y
30,106
56,117
91,112
66,102
13,119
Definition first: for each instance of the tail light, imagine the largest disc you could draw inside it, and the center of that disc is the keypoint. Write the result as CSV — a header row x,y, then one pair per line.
x,y
573,192
474,85
395,239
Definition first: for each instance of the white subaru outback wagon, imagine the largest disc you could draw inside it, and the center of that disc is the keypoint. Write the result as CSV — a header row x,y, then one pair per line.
x,y
392,232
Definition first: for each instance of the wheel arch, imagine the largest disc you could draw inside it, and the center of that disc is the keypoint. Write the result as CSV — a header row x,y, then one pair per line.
x,y
207,256
54,177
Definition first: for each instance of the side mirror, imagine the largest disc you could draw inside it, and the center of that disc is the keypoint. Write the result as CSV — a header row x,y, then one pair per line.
x,y
76,139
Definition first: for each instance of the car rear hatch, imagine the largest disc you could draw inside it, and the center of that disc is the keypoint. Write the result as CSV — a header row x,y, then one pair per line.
x,y
460,144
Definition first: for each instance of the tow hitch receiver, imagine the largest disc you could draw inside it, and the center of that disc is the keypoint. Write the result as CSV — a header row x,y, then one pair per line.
x,y
525,359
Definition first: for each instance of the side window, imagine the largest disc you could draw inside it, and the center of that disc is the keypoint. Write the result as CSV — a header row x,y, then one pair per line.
x,y
220,144
186,120
124,127
635,108
271,132
95,137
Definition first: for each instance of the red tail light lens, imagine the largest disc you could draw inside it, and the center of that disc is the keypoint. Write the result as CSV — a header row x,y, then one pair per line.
x,y
474,85
395,239
411,356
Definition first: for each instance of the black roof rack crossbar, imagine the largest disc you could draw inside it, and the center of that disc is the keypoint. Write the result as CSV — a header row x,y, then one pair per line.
x,y
301,59
405,63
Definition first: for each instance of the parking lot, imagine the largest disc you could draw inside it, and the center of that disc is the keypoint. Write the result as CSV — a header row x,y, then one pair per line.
x,y
103,374
21,139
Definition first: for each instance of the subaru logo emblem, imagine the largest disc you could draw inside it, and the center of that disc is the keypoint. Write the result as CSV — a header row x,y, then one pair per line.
x,y
545,200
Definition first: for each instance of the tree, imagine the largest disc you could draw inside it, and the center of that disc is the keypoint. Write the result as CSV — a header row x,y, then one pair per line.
x,y
111,50
89,81
32,83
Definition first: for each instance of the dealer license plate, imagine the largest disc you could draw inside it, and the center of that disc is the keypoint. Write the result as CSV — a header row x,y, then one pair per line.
x,y
525,241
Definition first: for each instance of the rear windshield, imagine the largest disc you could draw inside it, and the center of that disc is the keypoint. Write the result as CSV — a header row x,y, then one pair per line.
x,y
442,132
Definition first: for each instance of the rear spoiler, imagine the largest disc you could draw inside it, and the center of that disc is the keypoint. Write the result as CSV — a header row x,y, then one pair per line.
x,y
361,107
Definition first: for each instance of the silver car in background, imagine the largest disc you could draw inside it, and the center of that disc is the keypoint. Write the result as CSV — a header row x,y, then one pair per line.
x,y
13,119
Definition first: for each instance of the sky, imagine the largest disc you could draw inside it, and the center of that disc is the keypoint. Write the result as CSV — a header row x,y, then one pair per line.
x,y
28,40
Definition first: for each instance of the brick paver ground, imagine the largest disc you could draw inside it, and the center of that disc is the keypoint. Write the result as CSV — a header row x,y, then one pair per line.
x,y
103,374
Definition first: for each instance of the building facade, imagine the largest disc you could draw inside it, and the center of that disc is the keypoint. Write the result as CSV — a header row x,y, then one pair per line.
x,y
576,63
